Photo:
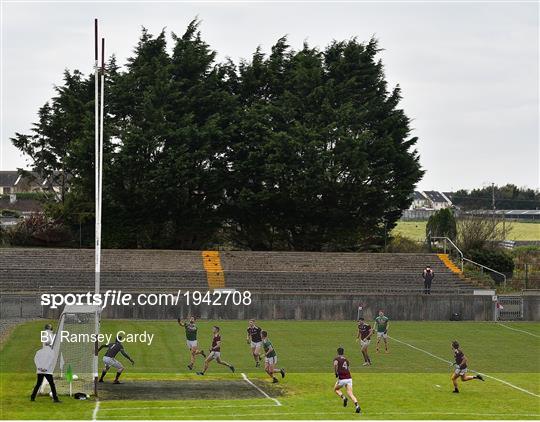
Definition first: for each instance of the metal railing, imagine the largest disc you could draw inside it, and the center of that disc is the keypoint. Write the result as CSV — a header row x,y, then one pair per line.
x,y
463,259
483,267
446,239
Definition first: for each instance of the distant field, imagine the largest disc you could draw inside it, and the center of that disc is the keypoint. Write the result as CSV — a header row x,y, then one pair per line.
x,y
520,231
412,382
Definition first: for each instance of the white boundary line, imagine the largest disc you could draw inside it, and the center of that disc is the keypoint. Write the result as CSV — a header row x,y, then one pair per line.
x,y
278,403
96,410
365,414
515,329
447,361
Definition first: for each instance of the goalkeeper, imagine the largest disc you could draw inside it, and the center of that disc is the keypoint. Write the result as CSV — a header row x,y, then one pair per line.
x,y
109,359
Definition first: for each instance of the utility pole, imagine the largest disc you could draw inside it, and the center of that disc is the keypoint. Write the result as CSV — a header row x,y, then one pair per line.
x,y
493,198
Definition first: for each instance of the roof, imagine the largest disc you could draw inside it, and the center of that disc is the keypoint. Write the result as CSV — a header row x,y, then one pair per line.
x,y
507,213
13,178
435,196
418,196
8,178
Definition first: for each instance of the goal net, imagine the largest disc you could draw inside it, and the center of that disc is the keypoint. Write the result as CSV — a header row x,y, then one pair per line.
x,y
76,361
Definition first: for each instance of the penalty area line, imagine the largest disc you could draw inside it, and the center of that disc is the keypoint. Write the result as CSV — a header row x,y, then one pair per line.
x,y
515,329
486,375
246,379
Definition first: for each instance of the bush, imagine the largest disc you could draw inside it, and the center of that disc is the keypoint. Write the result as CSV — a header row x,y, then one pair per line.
x,y
10,213
493,258
442,224
404,244
3,237
37,230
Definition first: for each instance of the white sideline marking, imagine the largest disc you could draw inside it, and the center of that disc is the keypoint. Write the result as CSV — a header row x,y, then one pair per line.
x,y
363,414
205,406
481,373
278,403
515,329
96,410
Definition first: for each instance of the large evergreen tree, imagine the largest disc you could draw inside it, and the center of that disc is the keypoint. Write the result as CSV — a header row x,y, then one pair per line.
x,y
298,150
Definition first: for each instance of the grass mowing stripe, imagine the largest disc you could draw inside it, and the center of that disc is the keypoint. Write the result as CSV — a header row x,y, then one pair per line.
x,y
278,403
515,329
486,375
202,406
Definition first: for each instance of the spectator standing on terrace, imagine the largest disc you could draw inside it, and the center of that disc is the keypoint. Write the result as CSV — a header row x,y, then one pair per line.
x,y
428,275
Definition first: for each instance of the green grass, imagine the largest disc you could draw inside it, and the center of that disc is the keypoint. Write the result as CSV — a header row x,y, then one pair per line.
x,y
405,384
416,230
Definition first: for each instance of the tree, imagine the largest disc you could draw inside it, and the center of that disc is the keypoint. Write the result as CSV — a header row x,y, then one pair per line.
x,y
300,150
475,233
507,197
323,151
442,224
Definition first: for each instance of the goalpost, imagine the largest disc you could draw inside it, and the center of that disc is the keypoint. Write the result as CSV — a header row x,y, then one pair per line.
x,y
76,363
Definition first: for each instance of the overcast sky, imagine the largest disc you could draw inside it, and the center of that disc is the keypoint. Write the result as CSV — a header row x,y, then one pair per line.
x,y
468,71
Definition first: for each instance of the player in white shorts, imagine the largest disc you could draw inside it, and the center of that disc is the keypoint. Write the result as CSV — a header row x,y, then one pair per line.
x,y
364,336
270,358
381,325
254,339
215,352
343,374
191,340
460,367
109,359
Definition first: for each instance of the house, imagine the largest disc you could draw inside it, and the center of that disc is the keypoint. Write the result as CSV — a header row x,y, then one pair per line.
x,y
430,200
13,182
419,200
7,182
437,200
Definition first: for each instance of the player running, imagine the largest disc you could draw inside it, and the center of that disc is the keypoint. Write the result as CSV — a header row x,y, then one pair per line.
x,y
460,367
109,359
270,358
381,325
255,340
364,336
191,340
343,373
215,352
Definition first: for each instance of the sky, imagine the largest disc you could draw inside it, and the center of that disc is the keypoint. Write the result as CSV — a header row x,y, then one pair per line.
x,y
468,70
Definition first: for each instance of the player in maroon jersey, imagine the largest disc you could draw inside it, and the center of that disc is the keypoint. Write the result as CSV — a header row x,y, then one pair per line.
x,y
364,336
343,374
460,367
254,339
215,352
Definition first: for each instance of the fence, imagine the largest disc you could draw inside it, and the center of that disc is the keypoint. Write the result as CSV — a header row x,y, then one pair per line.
x,y
511,308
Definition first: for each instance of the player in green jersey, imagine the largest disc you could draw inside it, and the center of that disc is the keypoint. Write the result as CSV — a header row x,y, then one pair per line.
x,y
270,358
191,339
381,326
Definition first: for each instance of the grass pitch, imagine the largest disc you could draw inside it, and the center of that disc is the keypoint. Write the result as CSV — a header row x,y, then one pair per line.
x,y
416,230
411,382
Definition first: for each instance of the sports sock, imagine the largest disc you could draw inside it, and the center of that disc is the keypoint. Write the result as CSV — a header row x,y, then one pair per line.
x,y
118,375
103,373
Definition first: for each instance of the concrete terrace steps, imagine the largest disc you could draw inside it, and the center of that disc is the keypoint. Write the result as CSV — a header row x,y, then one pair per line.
x,y
159,270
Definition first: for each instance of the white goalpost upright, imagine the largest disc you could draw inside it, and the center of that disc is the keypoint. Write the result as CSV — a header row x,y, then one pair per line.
x,y
76,363
98,165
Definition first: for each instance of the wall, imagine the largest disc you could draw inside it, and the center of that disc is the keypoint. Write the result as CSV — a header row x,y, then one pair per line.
x,y
310,307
